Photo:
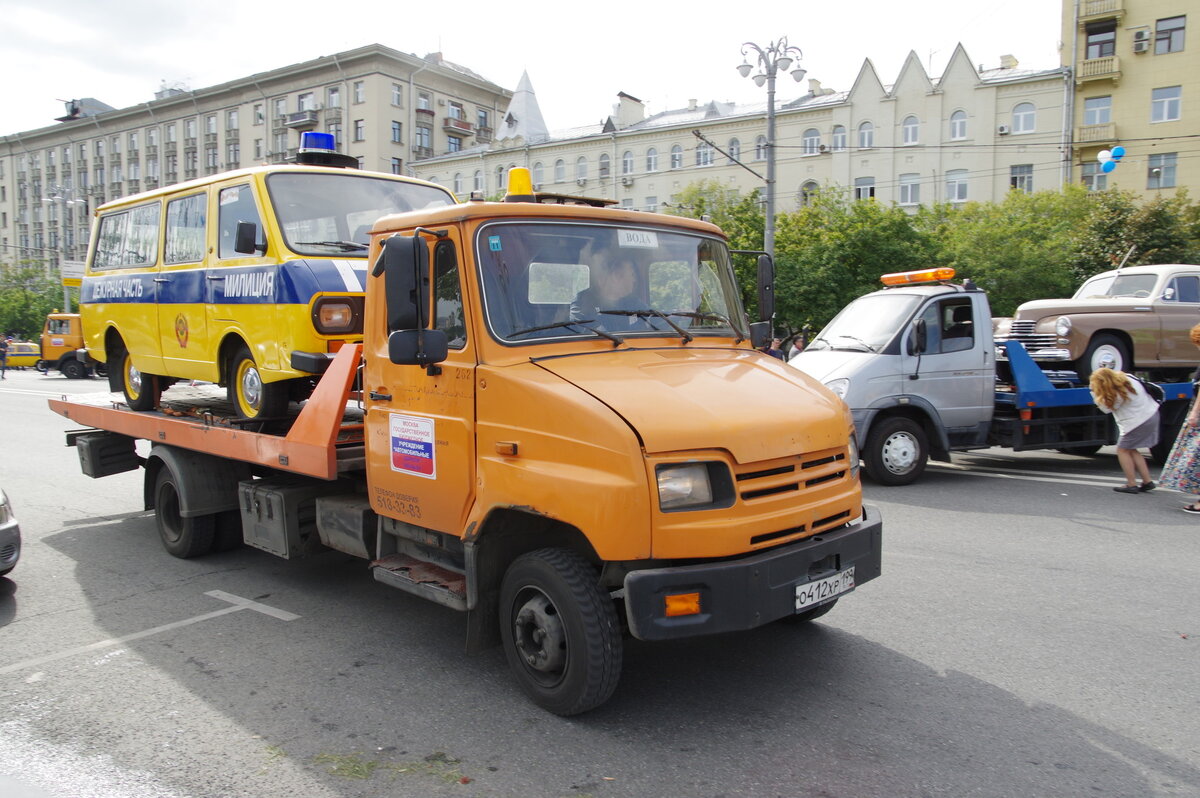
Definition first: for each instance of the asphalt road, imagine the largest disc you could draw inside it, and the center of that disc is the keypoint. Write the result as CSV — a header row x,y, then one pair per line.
x,y
1033,634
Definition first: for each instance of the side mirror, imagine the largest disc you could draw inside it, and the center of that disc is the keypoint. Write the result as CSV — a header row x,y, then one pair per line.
x,y
766,288
404,263
417,347
919,338
760,334
245,239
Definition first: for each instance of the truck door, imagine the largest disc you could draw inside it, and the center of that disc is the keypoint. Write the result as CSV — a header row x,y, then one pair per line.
x,y
955,373
421,422
182,331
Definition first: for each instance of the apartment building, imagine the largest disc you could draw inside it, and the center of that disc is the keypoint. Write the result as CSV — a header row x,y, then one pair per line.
x,y
970,134
381,105
1137,85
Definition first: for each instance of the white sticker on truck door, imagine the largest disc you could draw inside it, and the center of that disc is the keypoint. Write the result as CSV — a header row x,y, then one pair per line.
x,y
413,445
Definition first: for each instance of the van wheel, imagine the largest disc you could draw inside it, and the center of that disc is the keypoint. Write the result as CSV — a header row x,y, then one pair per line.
x,y
181,537
560,631
897,451
250,396
73,370
1103,351
141,390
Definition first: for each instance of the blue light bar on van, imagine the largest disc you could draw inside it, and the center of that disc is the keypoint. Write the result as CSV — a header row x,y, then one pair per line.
x,y
312,140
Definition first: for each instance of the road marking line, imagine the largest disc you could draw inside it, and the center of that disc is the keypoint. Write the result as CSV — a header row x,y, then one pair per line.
x,y
238,604
1000,473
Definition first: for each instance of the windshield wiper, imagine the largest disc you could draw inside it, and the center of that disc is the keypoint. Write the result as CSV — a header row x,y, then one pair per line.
x,y
858,340
345,246
573,323
709,317
658,314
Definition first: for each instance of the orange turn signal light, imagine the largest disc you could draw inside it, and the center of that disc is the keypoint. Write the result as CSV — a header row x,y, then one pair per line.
x,y
937,275
682,604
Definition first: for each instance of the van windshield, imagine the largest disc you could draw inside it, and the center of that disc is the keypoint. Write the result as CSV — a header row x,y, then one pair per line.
x,y
331,215
556,280
868,323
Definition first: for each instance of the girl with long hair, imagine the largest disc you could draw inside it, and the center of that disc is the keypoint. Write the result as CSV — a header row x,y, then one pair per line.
x,y
1136,414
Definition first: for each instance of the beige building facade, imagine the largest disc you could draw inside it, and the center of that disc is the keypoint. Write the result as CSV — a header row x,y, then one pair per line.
x,y
969,134
383,107
1137,85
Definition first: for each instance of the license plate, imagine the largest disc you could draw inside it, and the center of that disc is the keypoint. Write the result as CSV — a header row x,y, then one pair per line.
x,y
810,594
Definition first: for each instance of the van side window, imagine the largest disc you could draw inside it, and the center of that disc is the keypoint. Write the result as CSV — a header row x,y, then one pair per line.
x,y
58,326
447,298
128,238
236,205
1184,288
185,229
958,331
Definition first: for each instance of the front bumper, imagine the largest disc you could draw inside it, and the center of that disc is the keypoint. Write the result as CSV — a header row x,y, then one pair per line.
x,y
745,593
10,545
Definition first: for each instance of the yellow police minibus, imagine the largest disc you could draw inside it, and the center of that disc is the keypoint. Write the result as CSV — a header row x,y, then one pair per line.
x,y
251,278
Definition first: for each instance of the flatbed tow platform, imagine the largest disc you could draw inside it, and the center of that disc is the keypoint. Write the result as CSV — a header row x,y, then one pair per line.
x,y
324,440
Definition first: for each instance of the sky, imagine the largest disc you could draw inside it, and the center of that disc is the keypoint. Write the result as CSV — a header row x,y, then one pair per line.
x,y
664,53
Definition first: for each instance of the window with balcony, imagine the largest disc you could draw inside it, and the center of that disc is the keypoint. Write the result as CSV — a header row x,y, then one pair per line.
x,y
1097,110
1168,35
810,142
1165,104
482,118
956,185
335,129
1101,39
189,129
1024,118
910,189
424,101
839,138
958,125
911,130
866,136
424,135
1020,177
455,111
1161,171
864,188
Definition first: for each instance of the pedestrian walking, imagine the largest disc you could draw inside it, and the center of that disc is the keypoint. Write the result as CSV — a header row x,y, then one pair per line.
x,y
1182,469
4,339
1136,414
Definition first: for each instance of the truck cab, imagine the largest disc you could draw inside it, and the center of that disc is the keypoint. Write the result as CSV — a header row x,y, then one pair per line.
x,y
915,362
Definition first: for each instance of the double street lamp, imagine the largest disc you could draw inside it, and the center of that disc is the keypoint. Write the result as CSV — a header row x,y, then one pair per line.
x,y
776,57
64,196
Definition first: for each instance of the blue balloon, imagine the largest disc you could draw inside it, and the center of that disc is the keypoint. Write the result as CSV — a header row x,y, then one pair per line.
x,y
1108,166
1118,153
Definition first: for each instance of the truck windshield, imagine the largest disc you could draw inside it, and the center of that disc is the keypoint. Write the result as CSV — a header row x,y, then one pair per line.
x,y
331,215
868,323
555,280
1122,285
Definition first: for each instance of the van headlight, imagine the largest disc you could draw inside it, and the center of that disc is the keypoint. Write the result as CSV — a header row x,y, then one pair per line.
x,y
1062,327
852,454
338,315
839,387
683,485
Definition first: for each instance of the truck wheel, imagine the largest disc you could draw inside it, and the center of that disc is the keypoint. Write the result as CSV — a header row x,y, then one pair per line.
x,y
897,451
1104,351
182,537
73,369
560,631
141,390
250,396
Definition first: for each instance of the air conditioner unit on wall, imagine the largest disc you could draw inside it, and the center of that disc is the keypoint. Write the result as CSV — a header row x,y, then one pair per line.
x,y
579,181
1004,130
1141,47
1142,35
627,181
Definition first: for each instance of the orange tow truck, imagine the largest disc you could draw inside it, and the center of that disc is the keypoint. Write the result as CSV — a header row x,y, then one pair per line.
x,y
557,423
61,347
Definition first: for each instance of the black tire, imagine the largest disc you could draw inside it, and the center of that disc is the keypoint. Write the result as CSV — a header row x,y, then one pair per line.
x,y
73,369
1104,350
181,537
1082,451
897,451
249,395
141,390
809,615
560,631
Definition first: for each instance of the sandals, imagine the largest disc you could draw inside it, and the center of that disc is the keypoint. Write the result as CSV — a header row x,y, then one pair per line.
x,y
1194,509
1146,487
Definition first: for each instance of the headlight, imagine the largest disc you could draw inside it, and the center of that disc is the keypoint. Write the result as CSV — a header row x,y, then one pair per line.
x,y
338,315
839,387
683,485
852,455
5,513
1062,327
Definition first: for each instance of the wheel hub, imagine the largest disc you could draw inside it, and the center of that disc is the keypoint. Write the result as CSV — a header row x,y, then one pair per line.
x,y
133,378
540,636
252,386
899,453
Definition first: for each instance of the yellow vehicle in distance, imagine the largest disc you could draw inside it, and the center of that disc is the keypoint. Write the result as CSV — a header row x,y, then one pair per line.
x,y
251,279
60,347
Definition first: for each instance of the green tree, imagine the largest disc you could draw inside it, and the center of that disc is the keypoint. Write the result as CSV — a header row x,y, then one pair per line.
x,y
26,296
835,249
1159,230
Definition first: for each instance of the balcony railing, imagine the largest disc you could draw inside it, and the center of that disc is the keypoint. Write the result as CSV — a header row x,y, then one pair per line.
x,y
1107,68
454,125
301,119
422,152
1095,10
1096,134
483,134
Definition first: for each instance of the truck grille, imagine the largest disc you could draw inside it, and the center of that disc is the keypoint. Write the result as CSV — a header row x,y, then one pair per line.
x,y
760,481
1023,331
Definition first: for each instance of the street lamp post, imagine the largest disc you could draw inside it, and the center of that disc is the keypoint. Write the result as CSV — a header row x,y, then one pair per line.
x,y
64,196
774,58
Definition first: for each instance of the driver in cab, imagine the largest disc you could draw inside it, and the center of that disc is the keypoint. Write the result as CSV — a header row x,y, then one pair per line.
x,y
613,282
